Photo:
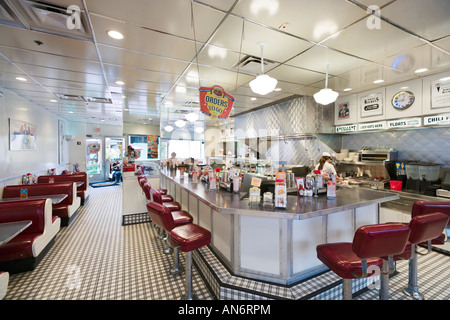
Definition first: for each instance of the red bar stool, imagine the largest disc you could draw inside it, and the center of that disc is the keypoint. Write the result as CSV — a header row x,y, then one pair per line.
x,y
188,238
424,229
168,220
425,207
353,260
165,200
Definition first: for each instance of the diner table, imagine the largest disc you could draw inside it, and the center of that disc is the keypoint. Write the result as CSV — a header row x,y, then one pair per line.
x,y
9,230
55,198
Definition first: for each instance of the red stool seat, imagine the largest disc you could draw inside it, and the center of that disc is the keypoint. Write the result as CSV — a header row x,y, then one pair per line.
x,y
172,206
370,243
181,217
341,259
189,237
166,198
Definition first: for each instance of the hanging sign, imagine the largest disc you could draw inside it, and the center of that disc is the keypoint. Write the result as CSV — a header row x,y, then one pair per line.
x,y
403,123
215,102
372,126
348,128
441,119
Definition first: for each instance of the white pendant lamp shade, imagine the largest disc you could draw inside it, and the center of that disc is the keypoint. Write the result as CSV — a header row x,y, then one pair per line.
x,y
180,123
168,128
263,84
192,117
326,95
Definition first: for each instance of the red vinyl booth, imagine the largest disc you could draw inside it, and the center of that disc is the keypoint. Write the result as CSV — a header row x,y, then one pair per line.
x,y
25,251
82,191
66,209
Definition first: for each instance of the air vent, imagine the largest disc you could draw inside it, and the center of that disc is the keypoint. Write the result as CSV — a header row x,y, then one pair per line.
x,y
53,18
69,97
252,65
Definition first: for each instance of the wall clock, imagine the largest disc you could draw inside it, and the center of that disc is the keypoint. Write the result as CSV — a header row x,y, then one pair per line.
x,y
403,100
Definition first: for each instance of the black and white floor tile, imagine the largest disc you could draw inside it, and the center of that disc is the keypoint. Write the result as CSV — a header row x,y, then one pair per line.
x,y
97,257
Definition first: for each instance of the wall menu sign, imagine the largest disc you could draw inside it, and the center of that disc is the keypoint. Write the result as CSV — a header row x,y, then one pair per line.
x,y
440,93
215,102
442,119
372,126
404,123
372,105
348,128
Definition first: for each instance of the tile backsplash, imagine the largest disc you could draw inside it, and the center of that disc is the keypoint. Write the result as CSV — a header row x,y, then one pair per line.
x,y
425,144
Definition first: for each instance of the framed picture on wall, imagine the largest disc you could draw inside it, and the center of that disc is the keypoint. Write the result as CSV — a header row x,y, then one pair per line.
x,y
61,134
372,105
22,135
440,93
344,110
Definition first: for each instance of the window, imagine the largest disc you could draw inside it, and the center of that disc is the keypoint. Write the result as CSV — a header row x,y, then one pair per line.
x,y
147,150
186,149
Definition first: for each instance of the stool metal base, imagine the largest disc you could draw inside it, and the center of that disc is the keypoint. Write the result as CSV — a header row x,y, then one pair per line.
x,y
175,269
189,295
412,289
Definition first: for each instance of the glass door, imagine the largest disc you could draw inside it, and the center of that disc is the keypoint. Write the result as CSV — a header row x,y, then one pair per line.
x,y
113,152
94,160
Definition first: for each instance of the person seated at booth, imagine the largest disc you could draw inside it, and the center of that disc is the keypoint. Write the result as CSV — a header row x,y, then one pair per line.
x,y
116,171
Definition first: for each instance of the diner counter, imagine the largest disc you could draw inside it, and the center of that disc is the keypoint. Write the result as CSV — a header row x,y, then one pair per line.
x,y
276,245
298,208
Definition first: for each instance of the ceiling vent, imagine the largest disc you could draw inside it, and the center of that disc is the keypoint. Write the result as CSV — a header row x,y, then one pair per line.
x,y
252,65
69,97
8,15
44,16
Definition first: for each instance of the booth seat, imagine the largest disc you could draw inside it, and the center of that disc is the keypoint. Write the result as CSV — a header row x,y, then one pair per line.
x,y
66,209
26,250
82,191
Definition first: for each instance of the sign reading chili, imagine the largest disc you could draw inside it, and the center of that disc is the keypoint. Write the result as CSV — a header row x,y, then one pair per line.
x,y
215,102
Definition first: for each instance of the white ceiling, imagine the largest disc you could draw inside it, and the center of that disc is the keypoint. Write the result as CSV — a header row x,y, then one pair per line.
x,y
172,47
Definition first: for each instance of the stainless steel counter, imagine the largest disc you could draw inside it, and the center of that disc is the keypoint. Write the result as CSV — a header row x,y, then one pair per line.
x,y
298,208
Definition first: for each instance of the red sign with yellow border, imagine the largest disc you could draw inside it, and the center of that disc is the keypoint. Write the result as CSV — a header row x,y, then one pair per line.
x,y
215,102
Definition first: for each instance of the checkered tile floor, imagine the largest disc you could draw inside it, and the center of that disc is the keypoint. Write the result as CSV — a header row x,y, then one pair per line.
x,y
98,258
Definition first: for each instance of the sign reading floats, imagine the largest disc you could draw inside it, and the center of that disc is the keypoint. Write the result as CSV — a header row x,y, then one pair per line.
x,y
215,102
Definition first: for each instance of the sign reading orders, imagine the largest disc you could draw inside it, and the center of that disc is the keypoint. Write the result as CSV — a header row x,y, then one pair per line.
x,y
215,102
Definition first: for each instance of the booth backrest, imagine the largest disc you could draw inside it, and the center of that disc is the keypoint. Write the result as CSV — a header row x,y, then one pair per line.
x,y
75,177
160,215
380,240
427,227
425,207
43,189
34,210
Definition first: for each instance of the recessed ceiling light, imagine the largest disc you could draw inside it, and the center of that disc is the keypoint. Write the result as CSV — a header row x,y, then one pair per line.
x,y
21,79
277,89
70,111
53,100
120,82
253,99
379,81
348,89
421,70
445,79
115,34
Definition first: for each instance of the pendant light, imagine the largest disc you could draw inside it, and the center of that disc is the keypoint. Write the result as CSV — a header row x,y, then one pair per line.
x,y
192,117
326,95
263,84
180,123
168,128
